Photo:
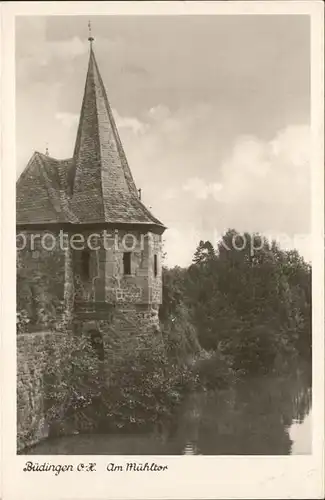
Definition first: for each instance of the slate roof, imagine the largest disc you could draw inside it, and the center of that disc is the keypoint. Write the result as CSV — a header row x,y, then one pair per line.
x,y
96,185
42,191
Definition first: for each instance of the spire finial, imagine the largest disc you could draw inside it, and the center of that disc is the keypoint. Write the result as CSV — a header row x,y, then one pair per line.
x,y
90,38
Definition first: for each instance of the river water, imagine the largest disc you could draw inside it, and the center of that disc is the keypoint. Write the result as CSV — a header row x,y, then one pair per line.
x,y
268,415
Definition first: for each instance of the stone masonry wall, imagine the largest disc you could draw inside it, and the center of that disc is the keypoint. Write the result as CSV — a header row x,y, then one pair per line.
x,y
32,363
155,282
40,277
38,351
49,278
107,280
46,272
135,320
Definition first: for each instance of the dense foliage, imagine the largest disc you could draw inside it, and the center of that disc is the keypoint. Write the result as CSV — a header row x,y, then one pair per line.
x,y
137,385
146,384
248,300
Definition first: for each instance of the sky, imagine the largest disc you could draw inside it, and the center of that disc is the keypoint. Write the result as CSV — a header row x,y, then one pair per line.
x,y
213,113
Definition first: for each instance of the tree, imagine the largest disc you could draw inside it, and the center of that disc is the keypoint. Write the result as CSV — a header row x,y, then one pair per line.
x,y
204,252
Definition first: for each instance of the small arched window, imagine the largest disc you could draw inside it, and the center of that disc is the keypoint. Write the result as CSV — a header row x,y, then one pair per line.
x,y
127,263
96,340
155,265
85,264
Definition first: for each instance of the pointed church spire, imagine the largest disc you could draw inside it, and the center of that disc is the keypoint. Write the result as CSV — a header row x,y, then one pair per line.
x,y
103,186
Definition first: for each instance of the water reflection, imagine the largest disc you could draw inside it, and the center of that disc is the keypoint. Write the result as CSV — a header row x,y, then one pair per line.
x,y
260,416
256,417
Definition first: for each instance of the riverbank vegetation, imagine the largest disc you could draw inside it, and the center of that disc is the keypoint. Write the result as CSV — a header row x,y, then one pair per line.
x,y
233,313
242,308
248,302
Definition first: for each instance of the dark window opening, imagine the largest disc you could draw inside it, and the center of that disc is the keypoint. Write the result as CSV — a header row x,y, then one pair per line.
x,y
96,341
155,265
85,264
127,262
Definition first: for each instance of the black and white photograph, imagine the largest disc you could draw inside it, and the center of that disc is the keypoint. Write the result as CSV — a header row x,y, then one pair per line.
x,y
164,238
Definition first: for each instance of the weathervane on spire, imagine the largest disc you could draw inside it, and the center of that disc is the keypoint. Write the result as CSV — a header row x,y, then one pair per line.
x,y
90,38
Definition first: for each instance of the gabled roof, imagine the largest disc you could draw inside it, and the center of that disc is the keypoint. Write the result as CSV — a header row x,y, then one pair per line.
x,y
96,185
42,191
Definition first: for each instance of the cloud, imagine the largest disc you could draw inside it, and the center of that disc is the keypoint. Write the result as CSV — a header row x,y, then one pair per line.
x,y
179,245
159,113
201,189
67,49
68,120
45,51
292,145
270,177
252,185
35,54
123,122
133,124
133,69
170,193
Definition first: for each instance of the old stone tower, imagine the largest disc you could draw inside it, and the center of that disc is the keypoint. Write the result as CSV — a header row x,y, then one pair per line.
x,y
85,240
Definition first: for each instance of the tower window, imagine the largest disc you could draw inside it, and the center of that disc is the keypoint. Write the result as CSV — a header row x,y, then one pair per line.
x,y
85,264
127,262
155,265
96,341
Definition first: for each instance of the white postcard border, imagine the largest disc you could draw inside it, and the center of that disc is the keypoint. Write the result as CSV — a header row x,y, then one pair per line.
x,y
187,477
